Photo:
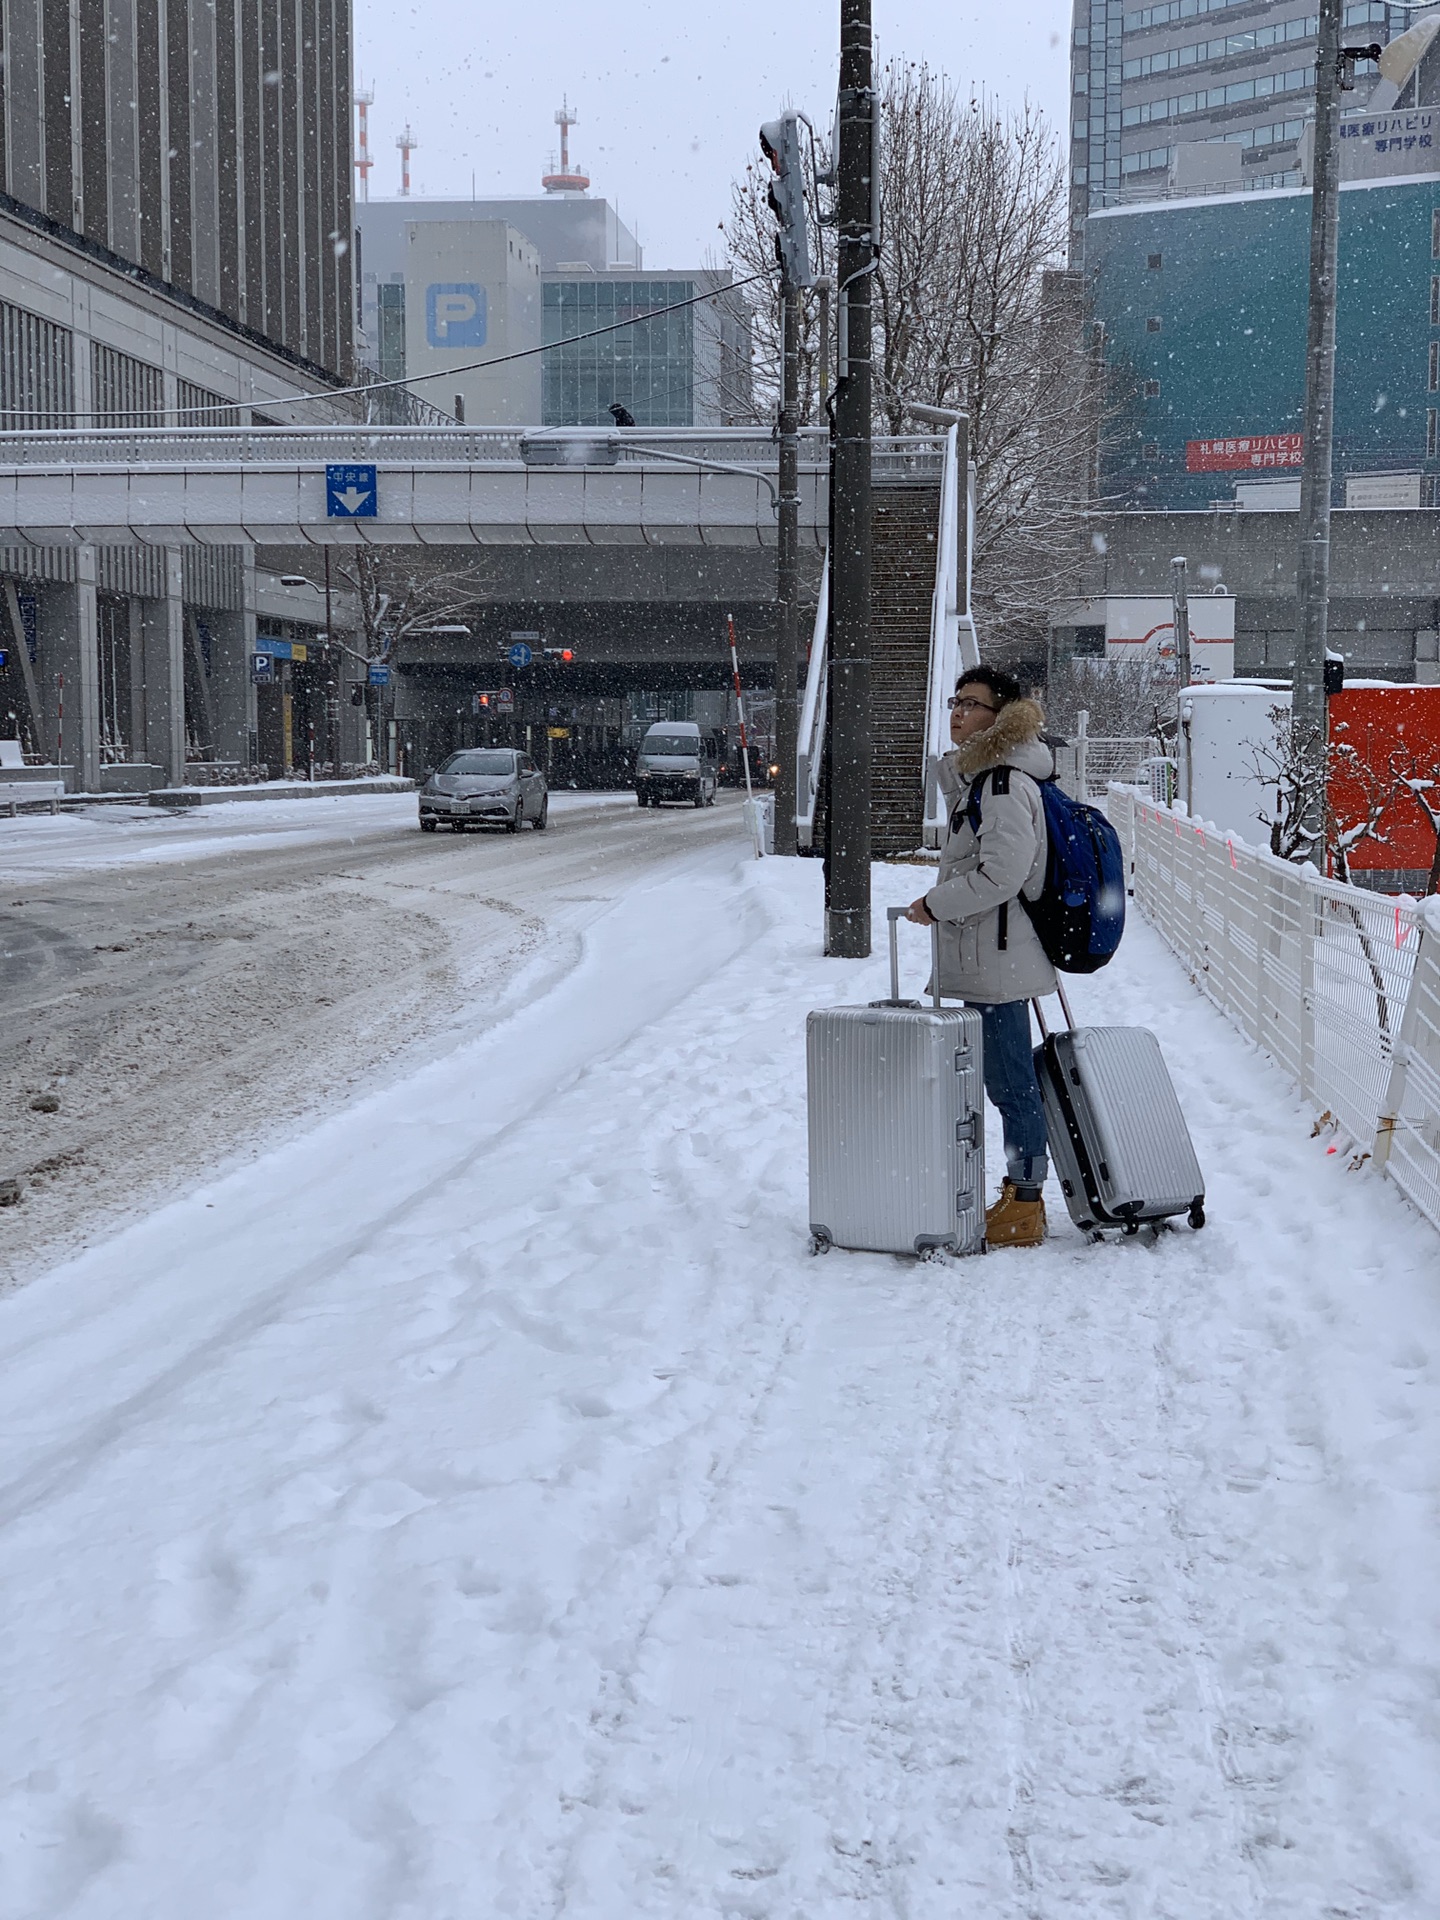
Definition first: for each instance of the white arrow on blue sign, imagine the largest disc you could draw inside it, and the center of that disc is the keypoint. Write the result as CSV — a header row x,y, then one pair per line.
x,y
350,492
520,655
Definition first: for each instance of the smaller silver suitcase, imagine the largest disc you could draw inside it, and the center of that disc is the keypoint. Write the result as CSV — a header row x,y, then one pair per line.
x,y
897,1129
1118,1139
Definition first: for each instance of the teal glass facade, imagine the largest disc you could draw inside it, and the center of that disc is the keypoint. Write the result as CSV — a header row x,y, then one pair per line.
x,y
648,367
1203,303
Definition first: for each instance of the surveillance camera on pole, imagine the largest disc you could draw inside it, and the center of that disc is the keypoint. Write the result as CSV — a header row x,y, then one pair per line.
x,y
780,143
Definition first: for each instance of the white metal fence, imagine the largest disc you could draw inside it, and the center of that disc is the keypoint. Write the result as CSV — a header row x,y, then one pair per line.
x,y
1340,986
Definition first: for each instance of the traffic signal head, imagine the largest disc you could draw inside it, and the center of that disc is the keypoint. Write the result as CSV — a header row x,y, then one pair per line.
x,y
780,143
564,654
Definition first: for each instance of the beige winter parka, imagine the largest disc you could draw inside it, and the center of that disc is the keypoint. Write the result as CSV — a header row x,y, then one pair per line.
x,y
989,951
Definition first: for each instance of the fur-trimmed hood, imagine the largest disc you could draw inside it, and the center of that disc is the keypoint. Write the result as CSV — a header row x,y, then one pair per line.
x,y
1013,741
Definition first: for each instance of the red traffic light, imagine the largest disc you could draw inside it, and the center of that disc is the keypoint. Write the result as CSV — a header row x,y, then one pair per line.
x,y
566,655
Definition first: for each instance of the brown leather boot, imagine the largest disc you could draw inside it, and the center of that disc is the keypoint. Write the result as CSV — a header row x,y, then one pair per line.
x,y
1013,1222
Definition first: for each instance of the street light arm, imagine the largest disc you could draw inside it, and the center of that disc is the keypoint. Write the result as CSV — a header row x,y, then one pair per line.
x,y
710,466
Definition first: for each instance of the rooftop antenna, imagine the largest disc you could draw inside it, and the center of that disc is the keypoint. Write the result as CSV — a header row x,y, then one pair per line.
x,y
364,98
565,181
407,144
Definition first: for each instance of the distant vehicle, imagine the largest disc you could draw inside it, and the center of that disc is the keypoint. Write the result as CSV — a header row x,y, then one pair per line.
x,y
676,762
485,787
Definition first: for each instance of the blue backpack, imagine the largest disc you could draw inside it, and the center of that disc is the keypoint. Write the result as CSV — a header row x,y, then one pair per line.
x,y
1080,914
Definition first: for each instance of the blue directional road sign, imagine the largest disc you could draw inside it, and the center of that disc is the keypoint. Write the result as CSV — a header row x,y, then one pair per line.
x,y
520,655
378,674
350,492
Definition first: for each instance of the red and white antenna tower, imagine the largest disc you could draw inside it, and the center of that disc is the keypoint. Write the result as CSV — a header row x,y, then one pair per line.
x,y
565,181
407,144
364,100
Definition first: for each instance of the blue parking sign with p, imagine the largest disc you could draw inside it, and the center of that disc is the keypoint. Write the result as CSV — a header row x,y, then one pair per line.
x,y
455,314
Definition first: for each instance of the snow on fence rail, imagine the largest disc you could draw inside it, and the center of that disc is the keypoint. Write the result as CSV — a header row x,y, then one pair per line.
x,y
1340,986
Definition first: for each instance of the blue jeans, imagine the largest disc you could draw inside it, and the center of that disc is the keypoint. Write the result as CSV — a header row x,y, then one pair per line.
x,y
1013,1089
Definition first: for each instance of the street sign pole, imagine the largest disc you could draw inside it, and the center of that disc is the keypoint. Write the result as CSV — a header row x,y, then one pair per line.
x,y
787,648
1180,600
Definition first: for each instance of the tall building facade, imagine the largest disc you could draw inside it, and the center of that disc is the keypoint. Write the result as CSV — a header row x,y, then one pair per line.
x,y
175,252
1198,96
204,144
686,368
1203,304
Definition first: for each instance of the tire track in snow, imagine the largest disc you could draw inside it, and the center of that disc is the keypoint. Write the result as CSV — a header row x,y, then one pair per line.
x,y
57,1468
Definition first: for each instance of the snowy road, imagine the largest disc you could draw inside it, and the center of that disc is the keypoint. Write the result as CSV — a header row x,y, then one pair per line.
x,y
190,987
487,1507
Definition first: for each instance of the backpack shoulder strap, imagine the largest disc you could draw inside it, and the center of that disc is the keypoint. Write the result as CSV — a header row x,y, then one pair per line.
x,y
999,778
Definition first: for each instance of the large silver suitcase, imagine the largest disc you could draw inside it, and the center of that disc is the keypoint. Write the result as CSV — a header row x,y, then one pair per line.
x,y
897,1128
1118,1139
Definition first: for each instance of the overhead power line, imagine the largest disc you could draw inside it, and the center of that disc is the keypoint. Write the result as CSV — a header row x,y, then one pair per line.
x,y
147,414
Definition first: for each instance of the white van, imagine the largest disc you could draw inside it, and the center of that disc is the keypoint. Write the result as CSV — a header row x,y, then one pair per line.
x,y
677,762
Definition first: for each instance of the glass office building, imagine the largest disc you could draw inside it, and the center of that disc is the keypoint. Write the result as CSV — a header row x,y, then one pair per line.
x,y
648,367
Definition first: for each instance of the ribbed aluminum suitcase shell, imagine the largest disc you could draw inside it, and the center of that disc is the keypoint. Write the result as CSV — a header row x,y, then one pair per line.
x,y
897,1130
1118,1139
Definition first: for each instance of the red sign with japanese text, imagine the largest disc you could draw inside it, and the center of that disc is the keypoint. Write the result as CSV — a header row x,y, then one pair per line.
x,y
1253,450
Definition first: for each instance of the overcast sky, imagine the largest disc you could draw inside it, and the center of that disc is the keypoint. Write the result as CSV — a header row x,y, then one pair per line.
x,y
669,93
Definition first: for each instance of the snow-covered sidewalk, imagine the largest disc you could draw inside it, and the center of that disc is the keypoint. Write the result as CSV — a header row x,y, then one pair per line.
x,y
486,1506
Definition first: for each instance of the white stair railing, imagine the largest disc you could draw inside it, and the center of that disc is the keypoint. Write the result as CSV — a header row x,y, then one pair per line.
x,y
953,645
810,743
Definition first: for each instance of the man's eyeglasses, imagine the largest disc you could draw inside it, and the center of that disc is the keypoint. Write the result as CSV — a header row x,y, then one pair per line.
x,y
958,704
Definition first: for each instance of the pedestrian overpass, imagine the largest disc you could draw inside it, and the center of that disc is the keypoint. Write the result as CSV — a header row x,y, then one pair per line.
x,y
683,524
432,486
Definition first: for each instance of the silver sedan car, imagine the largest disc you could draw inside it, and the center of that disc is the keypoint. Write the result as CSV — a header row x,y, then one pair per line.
x,y
485,787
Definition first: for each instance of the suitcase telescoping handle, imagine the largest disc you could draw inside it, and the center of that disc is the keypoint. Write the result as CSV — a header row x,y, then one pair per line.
x,y
895,915
1064,1008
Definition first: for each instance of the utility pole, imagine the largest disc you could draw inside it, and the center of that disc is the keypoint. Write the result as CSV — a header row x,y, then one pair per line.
x,y
780,143
847,851
1334,75
787,645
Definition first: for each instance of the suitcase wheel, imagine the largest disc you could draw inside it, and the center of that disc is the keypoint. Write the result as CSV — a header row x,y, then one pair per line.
x,y
1132,1226
1197,1214
820,1242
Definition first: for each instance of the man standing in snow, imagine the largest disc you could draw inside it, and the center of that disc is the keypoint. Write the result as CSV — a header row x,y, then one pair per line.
x,y
990,954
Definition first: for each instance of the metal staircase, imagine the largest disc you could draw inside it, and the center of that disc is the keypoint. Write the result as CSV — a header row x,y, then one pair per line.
x,y
923,636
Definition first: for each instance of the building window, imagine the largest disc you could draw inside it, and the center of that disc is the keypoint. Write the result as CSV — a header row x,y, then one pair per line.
x,y
199,407
1150,450
36,377
1435,234
1435,301
1208,98
128,392
1155,262
1152,325
1152,389
1089,642
648,366
1432,420
1435,366
1148,162
390,315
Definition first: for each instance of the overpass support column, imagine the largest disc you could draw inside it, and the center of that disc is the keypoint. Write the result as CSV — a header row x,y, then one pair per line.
x,y
163,632
232,693
69,671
